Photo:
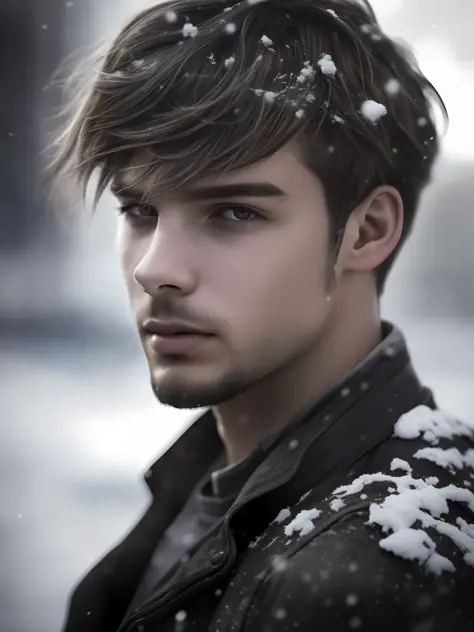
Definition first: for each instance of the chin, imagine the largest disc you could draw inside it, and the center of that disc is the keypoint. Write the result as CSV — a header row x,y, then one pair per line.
x,y
183,392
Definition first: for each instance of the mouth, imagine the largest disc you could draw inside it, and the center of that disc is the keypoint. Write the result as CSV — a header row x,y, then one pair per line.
x,y
178,343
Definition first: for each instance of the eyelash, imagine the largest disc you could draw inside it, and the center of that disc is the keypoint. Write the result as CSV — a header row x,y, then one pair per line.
x,y
126,209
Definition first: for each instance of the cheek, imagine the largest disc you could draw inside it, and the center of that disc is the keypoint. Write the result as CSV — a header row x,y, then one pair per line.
x,y
284,286
128,253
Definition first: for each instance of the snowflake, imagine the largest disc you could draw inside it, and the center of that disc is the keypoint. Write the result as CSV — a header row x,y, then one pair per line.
x,y
189,30
307,72
373,111
171,16
392,86
269,96
180,615
327,65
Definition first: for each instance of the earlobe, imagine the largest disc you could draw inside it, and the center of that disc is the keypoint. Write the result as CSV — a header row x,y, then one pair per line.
x,y
375,228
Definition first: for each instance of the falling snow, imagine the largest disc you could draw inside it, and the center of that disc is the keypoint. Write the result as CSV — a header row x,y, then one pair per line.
x,y
180,615
355,623
266,41
171,16
280,613
230,28
229,62
279,563
351,600
392,87
373,111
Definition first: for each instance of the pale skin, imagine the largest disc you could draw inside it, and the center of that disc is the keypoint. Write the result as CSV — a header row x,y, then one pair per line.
x,y
284,328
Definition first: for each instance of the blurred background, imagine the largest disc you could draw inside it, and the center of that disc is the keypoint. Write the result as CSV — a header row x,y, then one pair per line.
x,y
80,425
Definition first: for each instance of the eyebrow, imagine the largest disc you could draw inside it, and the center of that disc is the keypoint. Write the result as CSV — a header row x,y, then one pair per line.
x,y
247,189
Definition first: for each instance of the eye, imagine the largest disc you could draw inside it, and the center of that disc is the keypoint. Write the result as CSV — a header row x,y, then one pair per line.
x,y
135,210
237,214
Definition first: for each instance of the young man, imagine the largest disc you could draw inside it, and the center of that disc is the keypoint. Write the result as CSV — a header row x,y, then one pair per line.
x,y
268,158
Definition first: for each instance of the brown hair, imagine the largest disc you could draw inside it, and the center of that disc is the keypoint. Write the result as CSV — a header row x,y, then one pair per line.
x,y
209,86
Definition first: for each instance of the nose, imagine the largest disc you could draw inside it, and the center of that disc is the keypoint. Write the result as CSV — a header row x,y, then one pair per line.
x,y
166,263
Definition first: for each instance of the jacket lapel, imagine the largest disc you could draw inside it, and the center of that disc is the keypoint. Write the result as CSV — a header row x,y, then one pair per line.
x,y
100,601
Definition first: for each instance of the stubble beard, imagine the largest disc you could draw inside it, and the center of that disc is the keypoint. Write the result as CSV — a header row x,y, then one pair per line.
x,y
183,394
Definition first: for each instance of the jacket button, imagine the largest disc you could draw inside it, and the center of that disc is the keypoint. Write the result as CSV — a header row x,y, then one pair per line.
x,y
217,558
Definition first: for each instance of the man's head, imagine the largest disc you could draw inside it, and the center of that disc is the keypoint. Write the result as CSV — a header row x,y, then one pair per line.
x,y
305,96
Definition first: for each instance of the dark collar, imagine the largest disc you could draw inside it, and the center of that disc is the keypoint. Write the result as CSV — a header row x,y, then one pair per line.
x,y
191,458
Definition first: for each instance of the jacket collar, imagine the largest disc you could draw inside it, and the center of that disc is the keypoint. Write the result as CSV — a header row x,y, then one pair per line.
x,y
175,474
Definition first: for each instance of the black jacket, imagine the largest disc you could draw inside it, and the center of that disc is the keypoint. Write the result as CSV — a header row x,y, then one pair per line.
x,y
393,551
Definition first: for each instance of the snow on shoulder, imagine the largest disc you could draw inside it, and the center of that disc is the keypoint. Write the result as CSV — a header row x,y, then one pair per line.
x,y
417,501
431,425
411,509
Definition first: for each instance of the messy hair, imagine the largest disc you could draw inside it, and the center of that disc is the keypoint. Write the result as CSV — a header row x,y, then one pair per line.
x,y
211,86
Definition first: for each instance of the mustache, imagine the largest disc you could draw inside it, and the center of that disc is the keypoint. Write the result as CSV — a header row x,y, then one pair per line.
x,y
167,308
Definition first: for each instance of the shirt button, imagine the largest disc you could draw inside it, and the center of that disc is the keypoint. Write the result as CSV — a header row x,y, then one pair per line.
x,y
217,558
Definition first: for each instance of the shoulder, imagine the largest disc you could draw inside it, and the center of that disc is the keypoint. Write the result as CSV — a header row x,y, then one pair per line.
x,y
342,579
392,549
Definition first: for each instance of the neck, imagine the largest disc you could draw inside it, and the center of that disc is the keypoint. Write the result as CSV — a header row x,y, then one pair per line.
x,y
265,408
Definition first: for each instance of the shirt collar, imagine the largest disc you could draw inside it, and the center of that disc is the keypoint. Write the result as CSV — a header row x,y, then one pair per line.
x,y
194,455
227,479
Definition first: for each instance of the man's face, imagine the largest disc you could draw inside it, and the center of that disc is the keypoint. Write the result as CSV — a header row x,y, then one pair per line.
x,y
252,269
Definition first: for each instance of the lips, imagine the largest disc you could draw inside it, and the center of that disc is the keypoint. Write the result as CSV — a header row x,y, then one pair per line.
x,y
179,344
171,328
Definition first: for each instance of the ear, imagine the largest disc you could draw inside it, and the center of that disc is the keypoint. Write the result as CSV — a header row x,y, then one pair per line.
x,y
372,231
